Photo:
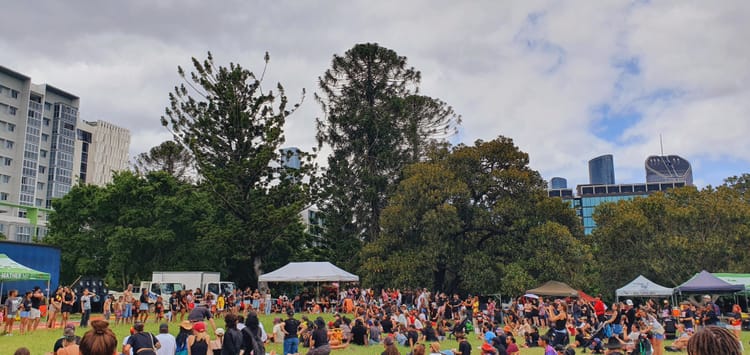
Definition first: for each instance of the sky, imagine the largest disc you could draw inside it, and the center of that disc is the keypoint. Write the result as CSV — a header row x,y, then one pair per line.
x,y
566,80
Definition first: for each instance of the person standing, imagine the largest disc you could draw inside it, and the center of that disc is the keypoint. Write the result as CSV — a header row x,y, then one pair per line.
x,y
141,342
143,306
34,313
167,341
127,298
291,340
232,344
199,343
85,308
69,299
55,306
107,308
12,304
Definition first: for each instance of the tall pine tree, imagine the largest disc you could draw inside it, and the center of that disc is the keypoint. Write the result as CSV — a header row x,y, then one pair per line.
x,y
375,124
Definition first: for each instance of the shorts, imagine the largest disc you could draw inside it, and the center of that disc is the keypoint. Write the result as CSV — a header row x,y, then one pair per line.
x,y
34,313
658,336
128,311
143,307
24,314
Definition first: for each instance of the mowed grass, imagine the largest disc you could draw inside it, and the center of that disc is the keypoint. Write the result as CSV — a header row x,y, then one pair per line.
x,y
41,341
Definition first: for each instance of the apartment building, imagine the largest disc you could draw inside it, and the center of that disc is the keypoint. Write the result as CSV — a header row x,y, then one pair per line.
x,y
39,159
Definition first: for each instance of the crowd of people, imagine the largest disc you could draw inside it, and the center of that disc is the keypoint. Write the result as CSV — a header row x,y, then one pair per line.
x,y
415,322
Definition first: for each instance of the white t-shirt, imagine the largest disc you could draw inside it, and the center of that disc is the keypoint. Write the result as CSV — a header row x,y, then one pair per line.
x,y
168,344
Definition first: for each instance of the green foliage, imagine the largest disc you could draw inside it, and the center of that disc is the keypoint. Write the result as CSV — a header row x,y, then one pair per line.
x,y
234,131
375,123
168,156
668,237
134,225
470,217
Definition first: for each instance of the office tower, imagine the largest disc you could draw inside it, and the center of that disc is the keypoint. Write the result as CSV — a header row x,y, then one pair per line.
x,y
602,170
668,168
558,183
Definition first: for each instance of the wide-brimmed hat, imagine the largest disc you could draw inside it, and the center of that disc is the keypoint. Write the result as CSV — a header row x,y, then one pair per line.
x,y
186,325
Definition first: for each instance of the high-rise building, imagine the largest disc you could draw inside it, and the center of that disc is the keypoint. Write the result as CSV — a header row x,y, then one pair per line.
x,y
602,170
102,149
38,125
668,168
558,183
290,157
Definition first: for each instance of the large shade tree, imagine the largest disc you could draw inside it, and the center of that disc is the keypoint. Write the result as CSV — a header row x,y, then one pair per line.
x,y
472,216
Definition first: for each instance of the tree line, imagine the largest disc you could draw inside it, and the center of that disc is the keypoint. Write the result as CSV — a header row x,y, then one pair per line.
x,y
401,206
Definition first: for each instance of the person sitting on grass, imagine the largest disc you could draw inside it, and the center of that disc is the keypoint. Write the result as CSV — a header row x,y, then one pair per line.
x,y
683,336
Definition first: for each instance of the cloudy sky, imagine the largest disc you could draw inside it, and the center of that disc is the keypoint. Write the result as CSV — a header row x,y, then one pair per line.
x,y
567,80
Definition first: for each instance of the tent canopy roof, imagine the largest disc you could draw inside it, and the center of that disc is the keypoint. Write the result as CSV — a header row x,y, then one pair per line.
x,y
309,272
706,282
642,286
554,288
10,270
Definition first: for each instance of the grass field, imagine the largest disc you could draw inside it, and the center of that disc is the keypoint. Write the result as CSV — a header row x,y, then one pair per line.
x,y
41,341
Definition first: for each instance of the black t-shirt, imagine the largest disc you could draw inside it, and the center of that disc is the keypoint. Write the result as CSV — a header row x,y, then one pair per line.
x,y
359,334
36,301
429,334
413,336
290,326
464,348
320,337
387,325
143,340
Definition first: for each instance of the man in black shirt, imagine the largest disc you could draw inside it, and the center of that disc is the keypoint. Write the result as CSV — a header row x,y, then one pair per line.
x,y
464,348
387,324
412,336
291,340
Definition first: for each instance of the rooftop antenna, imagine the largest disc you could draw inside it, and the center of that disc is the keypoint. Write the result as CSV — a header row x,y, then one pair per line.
x,y
661,144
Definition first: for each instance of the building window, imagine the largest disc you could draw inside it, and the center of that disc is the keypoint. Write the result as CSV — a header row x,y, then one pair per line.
x,y
46,121
3,196
39,202
43,153
45,137
12,110
47,106
5,179
22,213
14,93
8,161
11,127
42,169
9,144
39,186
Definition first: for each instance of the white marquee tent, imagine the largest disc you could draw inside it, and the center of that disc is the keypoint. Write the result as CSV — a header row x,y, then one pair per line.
x,y
643,287
309,272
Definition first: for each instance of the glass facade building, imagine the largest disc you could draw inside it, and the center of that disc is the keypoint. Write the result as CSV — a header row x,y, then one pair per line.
x,y
669,168
602,170
558,183
591,196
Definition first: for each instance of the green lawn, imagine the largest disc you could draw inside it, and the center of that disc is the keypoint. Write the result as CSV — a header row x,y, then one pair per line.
x,y
41,341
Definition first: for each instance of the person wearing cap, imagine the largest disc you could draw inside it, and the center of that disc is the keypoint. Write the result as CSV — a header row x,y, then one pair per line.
x,y
70,346
629,311
59,342
141,342
199,343
167,341
290,329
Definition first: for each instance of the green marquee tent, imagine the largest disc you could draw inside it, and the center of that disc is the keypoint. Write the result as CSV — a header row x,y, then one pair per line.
x,y
10,270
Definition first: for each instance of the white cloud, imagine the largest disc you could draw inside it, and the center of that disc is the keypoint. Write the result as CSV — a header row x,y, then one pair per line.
x,y
531,70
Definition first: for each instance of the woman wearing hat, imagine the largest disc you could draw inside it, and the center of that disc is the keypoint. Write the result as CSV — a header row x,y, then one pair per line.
x,y
186,330
199,343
